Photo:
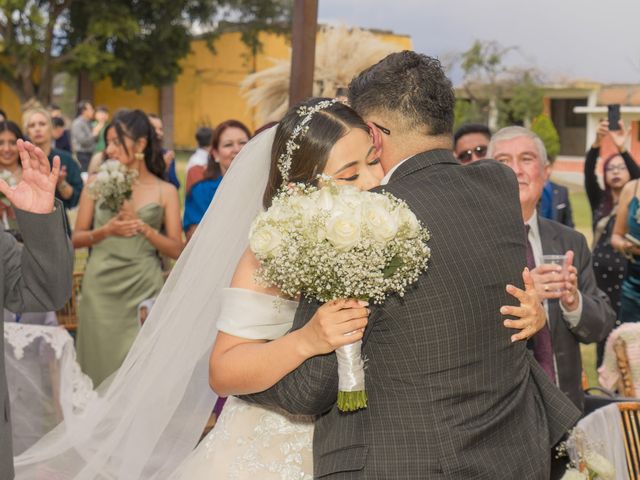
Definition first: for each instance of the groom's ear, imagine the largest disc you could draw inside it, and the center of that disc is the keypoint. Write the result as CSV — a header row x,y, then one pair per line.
x,y
377,138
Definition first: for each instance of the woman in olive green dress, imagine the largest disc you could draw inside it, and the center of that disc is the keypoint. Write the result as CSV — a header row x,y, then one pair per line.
x,y
124,266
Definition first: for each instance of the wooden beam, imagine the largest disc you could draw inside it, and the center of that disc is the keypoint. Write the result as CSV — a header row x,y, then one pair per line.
x,y
303,40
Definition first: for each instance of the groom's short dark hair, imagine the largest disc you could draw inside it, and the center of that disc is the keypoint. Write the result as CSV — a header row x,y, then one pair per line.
x,y
410,84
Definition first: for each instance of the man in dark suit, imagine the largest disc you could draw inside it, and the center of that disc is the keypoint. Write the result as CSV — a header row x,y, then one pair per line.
x,y
554,202
578,312
37,276
450,395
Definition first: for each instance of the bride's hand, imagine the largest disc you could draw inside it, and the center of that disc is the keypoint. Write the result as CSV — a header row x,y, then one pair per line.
x,y
336,323
531,313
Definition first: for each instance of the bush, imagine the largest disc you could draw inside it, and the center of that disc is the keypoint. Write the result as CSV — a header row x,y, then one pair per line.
x,y
544,128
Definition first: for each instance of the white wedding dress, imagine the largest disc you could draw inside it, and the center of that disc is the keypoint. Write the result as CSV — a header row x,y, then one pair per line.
x,y
250,442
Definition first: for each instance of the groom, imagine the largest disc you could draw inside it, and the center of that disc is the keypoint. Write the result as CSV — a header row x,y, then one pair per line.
x,y
450,396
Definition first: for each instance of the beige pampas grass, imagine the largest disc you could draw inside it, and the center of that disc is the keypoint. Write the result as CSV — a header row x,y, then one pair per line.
x,y
341,53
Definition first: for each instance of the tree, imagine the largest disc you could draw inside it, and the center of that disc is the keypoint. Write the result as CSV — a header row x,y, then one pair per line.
x,y
543,126
502,95
135,43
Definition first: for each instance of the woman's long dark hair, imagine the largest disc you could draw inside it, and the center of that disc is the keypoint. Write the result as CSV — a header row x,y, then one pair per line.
x,y
326,127
135,124
12,127
213,170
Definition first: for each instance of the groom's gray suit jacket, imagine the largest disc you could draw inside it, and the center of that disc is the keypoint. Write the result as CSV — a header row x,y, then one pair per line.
x,y
33,278
449,395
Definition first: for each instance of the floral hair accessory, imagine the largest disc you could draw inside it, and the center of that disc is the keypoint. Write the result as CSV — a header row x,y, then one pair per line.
x,y
307,113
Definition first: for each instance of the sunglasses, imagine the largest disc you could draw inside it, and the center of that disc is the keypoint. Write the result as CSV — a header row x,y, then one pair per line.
x,y
480,151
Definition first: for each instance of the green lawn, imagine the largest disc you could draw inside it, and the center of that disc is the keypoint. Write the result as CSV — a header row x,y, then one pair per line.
x,y
582,219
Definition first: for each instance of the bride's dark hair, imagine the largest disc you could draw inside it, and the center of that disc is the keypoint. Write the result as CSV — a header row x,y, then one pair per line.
x,y
326,127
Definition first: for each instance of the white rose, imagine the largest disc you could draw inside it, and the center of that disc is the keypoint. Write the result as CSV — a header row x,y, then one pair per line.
x,y
303,206
573,474
600,465
409,220
324,199
351,196
382,223
265,240
343,230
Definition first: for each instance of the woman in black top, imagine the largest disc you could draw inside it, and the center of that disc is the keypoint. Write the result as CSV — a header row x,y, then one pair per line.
x,y
608,265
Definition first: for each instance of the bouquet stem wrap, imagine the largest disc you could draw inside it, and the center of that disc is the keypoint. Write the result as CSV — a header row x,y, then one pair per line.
x,y
5,220
351,393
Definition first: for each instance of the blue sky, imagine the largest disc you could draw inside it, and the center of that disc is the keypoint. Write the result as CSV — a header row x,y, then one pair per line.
x,y
565,39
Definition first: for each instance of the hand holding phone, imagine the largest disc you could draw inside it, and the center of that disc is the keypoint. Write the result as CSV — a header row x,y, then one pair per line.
x,y
613,112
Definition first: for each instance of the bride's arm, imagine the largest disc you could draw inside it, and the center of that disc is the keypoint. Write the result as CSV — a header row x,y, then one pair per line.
x,y
241,366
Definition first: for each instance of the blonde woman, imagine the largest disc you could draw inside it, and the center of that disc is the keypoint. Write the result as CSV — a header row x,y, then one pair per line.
x,y
39,130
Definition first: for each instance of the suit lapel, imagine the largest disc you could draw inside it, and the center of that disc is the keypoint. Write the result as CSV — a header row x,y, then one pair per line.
x,y
423,160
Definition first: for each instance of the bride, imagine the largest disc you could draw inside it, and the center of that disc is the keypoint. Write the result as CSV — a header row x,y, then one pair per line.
x,y
148,416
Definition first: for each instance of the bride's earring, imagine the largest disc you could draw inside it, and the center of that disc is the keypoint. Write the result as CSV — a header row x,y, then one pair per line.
x,y
139,156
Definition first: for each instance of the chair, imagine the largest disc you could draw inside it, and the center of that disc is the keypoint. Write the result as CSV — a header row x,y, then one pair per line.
x,y
626,380
68,315
630,416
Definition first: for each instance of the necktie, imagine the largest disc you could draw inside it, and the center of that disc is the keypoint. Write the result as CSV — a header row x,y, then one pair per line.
x,y
542,347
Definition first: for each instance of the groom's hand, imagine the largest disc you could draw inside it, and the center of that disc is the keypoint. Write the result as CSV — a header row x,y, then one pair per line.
x,y
531,313
35,192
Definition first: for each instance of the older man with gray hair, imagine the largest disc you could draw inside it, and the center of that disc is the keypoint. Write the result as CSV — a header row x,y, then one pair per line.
x,y
577,311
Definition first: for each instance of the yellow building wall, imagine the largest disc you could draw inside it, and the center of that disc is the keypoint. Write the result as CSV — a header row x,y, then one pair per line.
x,y
104,93
207,91
10,103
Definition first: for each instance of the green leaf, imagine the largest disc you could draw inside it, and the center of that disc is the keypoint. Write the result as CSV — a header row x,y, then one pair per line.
x,y
393,266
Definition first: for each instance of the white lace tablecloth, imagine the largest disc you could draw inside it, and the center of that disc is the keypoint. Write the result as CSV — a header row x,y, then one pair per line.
x,y
45,381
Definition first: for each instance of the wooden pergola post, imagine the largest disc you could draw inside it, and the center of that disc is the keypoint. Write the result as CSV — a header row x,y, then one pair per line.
x,y
303,40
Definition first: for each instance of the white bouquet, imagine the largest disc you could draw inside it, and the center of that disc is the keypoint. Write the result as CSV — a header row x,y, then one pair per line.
x,y
113,185
8,177
340,242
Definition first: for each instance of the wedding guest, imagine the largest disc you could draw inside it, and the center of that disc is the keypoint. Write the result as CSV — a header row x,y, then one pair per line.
x,y
200,157
38,128
55,111
10,165
554,203
169,156
61,136
470,142
84,134
577,311
228,139
618,168
124,267
38,275
102,118
626,239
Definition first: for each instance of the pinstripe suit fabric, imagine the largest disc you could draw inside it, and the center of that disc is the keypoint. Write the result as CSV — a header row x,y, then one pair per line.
x,y
449,395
